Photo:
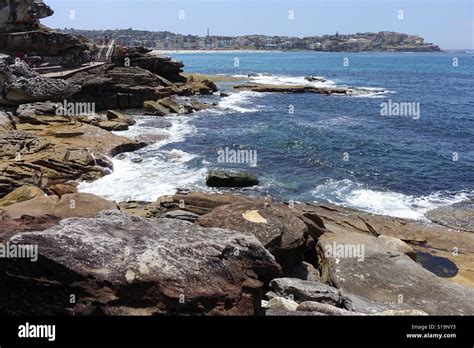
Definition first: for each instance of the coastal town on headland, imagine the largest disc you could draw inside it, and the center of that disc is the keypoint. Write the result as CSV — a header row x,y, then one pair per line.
x,y
384,41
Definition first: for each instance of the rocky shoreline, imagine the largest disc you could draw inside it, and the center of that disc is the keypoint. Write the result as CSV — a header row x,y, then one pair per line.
x,y
223,254
191,253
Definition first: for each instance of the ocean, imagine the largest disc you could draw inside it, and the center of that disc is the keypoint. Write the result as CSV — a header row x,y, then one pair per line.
x,y
346,150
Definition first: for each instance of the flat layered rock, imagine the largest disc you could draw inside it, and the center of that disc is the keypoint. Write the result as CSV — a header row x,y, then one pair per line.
x,y
202,203
449,246
168,69
182,215
459,216
66,206
116,264
302,291
377,278
41,155
327,90
119,87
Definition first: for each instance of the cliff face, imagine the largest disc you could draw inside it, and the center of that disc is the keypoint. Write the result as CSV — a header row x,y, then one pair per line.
x,y
22,15
21,34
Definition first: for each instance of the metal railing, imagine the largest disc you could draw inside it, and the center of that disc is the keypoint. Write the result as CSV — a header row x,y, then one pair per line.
x,y
106,52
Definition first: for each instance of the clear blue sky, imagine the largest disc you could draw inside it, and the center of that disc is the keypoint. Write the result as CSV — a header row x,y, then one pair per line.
x,y
448,23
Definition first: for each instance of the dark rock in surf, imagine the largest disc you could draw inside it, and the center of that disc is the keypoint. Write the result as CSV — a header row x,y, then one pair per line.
x,y
230,179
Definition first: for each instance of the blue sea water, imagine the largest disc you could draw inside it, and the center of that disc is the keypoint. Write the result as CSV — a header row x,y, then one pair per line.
x,y
337,149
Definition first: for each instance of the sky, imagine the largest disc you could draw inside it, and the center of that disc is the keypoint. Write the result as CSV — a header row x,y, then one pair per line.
x,y
447,23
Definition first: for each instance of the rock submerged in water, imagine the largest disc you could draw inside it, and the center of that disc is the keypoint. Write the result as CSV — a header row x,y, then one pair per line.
x,y
314,79
116,264
230,179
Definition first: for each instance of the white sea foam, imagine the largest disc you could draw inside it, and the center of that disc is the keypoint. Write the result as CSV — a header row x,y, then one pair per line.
x,y
240,102
365,92
288,80
373,92
357,196
178,131
160,171
145,181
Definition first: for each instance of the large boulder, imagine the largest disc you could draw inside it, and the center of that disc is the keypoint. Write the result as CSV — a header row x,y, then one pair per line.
x,y
274,225
115,264
397,245
68,205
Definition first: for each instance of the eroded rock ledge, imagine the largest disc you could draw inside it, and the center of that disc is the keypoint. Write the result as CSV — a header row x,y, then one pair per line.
x,y
43,150
237,249
327,90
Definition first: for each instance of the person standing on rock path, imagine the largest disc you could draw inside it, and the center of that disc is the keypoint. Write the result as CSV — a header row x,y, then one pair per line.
x,y
12,5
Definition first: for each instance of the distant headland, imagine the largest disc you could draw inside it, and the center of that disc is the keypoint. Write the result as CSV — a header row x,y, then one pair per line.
x,y
383,41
